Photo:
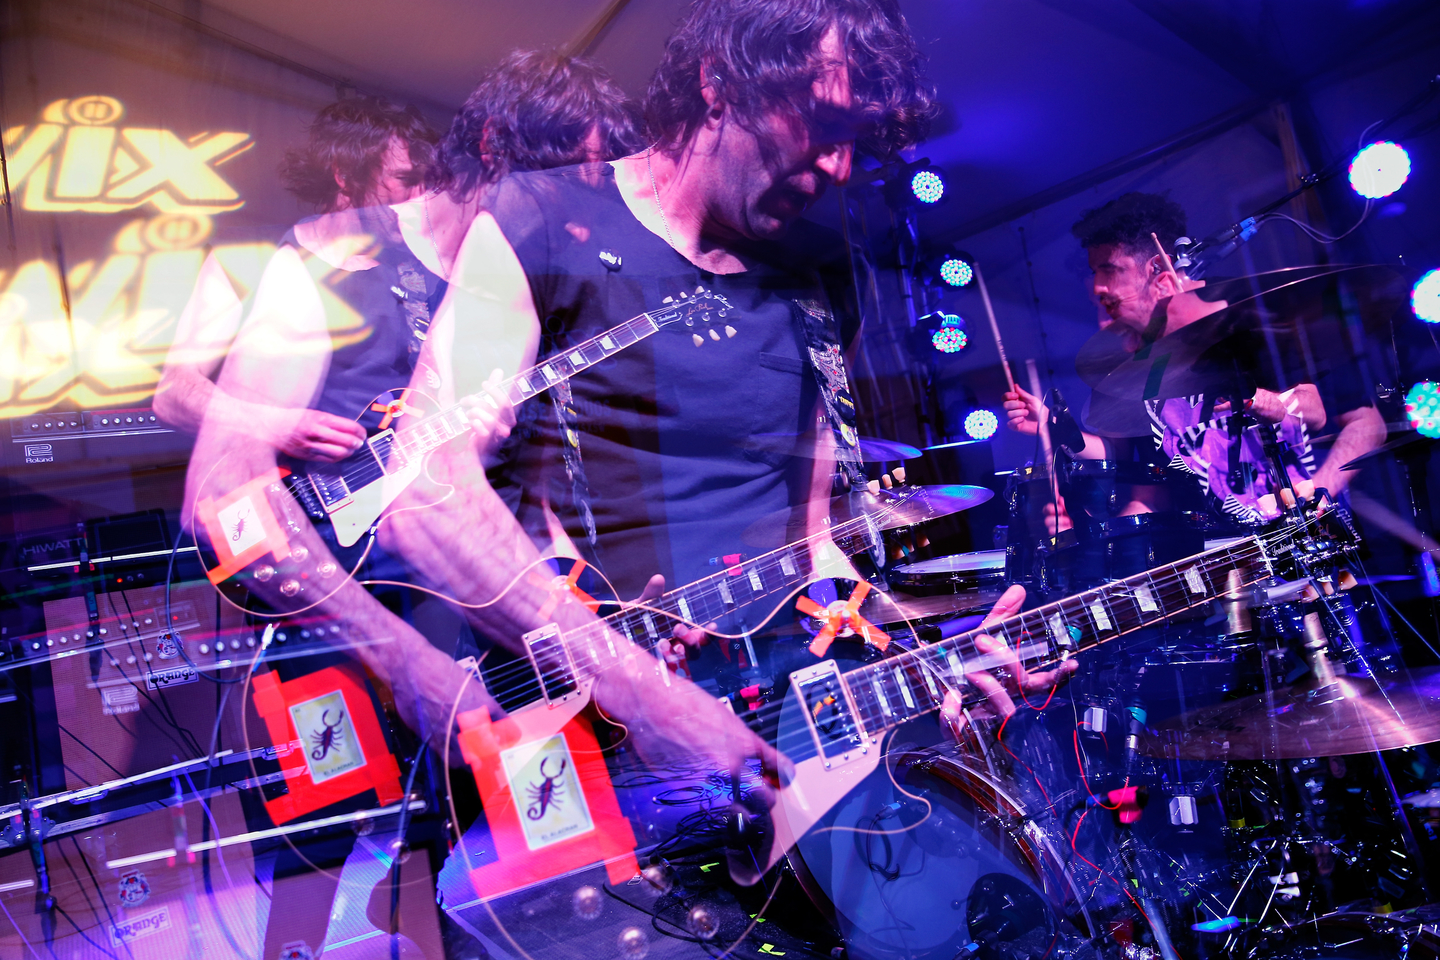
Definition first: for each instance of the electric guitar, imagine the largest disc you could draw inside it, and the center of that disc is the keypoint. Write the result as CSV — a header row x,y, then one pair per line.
x,y
241,532
831,723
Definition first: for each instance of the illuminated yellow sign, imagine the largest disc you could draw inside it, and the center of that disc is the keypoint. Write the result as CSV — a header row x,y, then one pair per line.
x,y
123,313
79,158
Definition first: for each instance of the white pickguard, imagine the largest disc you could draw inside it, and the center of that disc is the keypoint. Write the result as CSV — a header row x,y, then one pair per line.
x,y
356,517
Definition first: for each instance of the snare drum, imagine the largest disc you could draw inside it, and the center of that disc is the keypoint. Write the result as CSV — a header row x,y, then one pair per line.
x,y
980,573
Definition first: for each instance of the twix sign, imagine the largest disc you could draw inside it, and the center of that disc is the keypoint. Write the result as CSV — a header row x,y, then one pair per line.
x,y
80,158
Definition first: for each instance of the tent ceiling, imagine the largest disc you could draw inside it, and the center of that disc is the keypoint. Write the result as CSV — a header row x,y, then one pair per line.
x,y
1037,91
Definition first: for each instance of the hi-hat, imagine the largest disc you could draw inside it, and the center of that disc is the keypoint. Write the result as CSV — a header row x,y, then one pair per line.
x,y
899,507
1349,715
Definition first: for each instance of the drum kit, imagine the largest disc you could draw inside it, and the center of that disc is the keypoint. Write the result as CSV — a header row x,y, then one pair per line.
x,y
1230,783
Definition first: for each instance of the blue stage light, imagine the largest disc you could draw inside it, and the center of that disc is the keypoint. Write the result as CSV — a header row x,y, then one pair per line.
x,y
949,339
956,272
981,424
1379,170
1425,297
927,186
1422,408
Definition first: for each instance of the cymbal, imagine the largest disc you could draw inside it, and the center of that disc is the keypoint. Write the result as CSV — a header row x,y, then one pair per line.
x,y
875,450
872,449
1405,442
903,506
1347,716
1226,347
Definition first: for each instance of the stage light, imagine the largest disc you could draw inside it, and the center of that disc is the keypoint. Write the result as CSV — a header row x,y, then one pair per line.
x,y
981,424
955,271
949,336
1425,297
929,187
1422,408
1379,170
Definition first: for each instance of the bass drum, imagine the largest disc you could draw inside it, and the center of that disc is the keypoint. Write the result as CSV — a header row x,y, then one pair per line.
x,y
930,858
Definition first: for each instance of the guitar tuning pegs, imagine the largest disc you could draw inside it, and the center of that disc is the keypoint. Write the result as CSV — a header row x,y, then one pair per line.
x,y
874,487
729,330
1347,580
714,335
699,340
885,481
899,474
668,300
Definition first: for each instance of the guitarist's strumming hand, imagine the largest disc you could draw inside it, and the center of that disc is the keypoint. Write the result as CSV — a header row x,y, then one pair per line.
x,y
492,417
1000,685
309,434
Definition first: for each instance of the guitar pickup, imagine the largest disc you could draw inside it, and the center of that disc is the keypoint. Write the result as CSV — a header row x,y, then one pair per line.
x,y
552,664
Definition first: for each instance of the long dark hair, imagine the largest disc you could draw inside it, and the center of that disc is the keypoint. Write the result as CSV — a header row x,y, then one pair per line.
x,y
349,138
759,54
532,112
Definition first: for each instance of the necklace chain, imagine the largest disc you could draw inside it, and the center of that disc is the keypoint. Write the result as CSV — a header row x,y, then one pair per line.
x,y
664,220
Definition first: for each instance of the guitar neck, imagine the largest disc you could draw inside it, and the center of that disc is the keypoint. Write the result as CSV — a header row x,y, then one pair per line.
x,y
591,647
888,693
440,428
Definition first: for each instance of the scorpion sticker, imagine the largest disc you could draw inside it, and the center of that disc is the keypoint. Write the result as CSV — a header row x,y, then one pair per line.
x,y
547,792
240,526
328,737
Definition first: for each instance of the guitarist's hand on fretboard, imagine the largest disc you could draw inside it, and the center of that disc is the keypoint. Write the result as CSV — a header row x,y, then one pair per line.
x,y
1007,680
491,416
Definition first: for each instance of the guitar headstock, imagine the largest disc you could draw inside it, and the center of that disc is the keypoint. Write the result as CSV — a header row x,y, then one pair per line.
x,y
702,311
1310,539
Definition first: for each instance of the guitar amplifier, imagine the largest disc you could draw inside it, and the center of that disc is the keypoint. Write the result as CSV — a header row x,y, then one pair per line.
x,y
126,675
120,889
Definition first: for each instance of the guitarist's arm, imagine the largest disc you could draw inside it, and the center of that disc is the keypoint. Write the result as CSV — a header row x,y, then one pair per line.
x,y
281,358
186,395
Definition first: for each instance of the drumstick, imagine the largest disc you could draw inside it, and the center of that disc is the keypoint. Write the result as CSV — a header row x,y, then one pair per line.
x,y
1169,267
995,328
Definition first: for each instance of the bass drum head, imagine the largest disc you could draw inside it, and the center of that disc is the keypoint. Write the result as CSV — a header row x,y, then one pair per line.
x,y
929,859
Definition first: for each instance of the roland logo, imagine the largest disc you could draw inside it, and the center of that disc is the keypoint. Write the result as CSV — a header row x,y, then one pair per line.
x,y
39,453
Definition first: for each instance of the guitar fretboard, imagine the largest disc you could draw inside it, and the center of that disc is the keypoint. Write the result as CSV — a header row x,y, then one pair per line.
x,y
890,692
441,428
709,599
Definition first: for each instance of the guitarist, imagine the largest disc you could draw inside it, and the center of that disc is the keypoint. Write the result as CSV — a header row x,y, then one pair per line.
x,y
291,355
664,455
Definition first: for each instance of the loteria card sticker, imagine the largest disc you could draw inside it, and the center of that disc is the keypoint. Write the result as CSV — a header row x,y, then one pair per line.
x,y
548,796
328,734
241,524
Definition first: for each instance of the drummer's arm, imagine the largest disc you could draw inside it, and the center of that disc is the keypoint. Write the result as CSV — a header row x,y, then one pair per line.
x,y
1025,412
1361,430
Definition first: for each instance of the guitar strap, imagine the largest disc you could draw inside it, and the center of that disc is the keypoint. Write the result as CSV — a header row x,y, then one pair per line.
x,y
569,422
827,362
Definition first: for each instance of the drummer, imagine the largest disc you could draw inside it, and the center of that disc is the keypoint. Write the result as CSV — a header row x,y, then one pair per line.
x,y
1143,298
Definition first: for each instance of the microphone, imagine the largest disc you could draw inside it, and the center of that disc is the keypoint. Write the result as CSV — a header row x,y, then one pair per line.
x,y
1064,430
1216,248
